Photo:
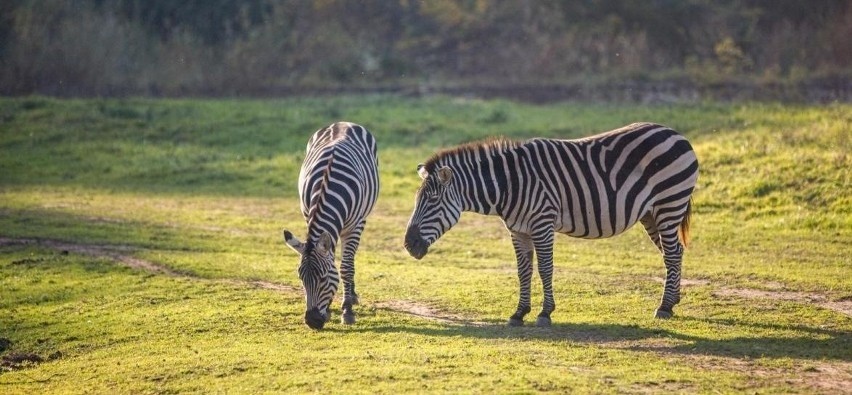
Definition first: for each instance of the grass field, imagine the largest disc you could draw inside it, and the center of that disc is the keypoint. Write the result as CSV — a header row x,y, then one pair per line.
x,y
140,251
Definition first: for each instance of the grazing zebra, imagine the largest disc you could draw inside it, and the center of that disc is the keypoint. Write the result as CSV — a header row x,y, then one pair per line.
x,y
338,185
592,188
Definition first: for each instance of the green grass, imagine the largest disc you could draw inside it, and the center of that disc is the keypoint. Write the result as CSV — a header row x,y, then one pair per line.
x,y
203,187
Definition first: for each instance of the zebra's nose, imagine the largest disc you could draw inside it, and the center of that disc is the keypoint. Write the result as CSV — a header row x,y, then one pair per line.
x,y
314,319
414,243
411,235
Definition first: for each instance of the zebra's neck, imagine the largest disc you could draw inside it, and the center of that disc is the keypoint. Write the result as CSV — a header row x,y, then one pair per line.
x,y
315,230
482,173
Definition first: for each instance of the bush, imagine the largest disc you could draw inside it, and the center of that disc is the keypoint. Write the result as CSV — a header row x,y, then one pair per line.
x,y
260,47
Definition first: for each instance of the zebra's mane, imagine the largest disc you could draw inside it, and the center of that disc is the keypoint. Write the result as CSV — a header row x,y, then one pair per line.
x,y
491,144
317,200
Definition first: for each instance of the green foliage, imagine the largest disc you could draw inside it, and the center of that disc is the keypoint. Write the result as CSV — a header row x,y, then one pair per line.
x,y
257,47
202,188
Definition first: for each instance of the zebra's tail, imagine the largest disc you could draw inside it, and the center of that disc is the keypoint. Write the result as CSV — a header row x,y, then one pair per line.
x,y
683,231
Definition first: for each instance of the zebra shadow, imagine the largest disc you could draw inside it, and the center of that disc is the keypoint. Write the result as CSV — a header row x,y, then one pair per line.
x,y
809,342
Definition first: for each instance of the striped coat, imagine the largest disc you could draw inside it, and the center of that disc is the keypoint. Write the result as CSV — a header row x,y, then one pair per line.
x,y
338,186
591,188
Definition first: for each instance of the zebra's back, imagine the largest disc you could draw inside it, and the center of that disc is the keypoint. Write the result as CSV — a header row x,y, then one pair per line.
x,y
601,185
338,181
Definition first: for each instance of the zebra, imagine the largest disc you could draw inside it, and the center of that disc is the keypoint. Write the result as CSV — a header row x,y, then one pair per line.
x,y
338,186
594,187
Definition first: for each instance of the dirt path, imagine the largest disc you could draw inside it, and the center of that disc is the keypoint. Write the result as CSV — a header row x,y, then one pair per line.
x,y
120,254
426,312
840,306
843,306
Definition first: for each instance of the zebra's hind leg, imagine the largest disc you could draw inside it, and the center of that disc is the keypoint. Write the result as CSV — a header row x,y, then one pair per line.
x,y
672,257
651,228
524,254
350,240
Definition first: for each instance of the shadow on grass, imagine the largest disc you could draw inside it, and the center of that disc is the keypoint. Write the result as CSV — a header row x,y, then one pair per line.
x,y
819,344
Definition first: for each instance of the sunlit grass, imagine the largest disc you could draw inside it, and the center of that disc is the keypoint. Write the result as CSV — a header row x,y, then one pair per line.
x,y
204,188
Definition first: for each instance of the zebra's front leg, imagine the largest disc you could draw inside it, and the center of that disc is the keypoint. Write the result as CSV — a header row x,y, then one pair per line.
x,y
672,256
524,253
543,241
350,241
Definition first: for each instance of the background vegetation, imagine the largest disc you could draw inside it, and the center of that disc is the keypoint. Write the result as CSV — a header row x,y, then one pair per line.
x,y
140,251
537,50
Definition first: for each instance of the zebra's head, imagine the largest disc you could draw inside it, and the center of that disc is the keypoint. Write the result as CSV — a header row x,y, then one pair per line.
x,y
437,207
318,274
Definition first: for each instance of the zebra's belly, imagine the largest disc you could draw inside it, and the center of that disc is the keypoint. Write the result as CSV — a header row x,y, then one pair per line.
x,y
574,232
590,226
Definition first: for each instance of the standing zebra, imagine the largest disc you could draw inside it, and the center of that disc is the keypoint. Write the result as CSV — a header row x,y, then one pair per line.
x,y
592,188
338,185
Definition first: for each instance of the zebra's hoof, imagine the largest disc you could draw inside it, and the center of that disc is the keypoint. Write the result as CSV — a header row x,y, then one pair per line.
x,y
663,314
516,322
542,322
348,318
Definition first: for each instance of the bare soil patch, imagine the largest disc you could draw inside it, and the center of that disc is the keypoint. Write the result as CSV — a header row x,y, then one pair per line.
x,y
693,282
816,376
272,286
17,361
775,291
425,311
686,282
840,306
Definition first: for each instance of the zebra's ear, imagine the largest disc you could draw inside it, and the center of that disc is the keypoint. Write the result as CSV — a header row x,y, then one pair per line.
x,y
421,170
293,242
445,175
325,244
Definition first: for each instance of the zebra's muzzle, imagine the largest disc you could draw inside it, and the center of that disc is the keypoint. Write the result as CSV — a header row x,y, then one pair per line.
x,y
414,243
315,319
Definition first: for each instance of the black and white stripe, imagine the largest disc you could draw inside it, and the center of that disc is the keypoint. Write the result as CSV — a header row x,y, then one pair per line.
x,y
338,186
592,188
